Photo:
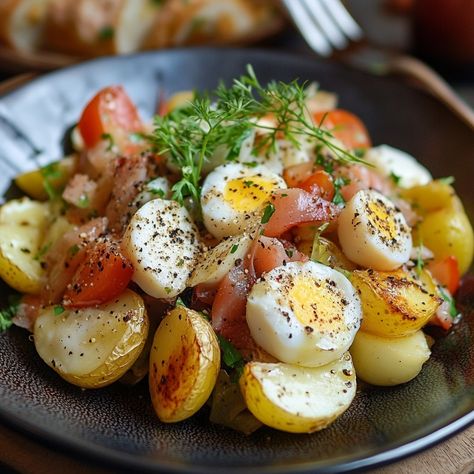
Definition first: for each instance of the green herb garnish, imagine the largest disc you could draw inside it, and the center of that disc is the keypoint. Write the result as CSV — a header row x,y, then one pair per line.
x,y
234,248
50,172
453,312
42,251
7,314
231,357
108,137
395,178
338,184
191,134
267,213
58,309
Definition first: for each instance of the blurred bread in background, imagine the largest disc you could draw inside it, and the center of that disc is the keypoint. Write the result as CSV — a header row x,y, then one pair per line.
x,y
22,23
88,28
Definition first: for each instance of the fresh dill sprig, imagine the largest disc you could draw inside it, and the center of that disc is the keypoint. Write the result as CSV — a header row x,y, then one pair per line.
x,y
190,135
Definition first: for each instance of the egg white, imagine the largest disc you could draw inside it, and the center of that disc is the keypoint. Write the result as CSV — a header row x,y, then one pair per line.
x,y
373,232
389,161
304,313
223,211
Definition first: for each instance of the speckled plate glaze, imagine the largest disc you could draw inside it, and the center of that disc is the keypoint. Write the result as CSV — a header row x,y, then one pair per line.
x,y
116,425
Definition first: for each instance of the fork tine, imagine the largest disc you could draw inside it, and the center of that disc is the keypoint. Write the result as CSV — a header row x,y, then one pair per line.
x,y
326,23
343,18
310,31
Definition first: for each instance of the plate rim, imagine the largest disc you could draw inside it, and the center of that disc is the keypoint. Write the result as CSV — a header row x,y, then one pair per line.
x,y
107,457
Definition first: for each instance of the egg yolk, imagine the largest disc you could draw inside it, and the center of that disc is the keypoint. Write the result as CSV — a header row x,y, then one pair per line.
x,y
317,305
382,219
247,194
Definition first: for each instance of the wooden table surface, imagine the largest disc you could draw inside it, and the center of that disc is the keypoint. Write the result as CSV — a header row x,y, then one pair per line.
x,y
454,456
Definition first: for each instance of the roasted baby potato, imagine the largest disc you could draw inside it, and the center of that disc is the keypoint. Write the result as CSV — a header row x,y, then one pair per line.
x,y
56,175
298,399
92,347
22,225
389,361
184,364
445,228
394,304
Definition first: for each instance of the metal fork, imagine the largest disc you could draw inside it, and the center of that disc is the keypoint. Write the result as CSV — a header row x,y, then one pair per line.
x,y
328,28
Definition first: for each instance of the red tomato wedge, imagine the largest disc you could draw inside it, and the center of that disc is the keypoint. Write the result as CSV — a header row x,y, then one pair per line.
x,y
321,184
295,206
65,256
111,112
271,253
446,272
102,276
345,126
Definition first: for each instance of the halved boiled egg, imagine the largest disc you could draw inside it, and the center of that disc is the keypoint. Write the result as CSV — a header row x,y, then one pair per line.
x,y
373,232
304,313
162,243
234,196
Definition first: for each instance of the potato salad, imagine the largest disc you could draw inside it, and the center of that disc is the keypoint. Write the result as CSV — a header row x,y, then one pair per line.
x,y
250,253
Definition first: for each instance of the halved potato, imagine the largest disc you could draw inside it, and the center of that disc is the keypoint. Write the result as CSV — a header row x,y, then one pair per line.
x,y
445,228
394,304
298,399
22,225
389,361
57,174
184,364
92,347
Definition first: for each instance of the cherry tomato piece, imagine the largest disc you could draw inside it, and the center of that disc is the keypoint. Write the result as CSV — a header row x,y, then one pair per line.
x,y
102,276
345,126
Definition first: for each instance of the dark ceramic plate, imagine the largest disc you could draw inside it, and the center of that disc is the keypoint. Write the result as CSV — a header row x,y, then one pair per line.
x,y
117,424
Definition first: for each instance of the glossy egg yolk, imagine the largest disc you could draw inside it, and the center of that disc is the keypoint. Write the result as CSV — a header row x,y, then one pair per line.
x,y
317,305
247,194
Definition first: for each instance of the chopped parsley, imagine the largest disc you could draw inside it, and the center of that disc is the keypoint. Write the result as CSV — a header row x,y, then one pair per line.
x,y
267,213
453,312
234,248
339,182
108,137
58,309
395,178
157,192
49,173
42,251
231,357
248,183
7,314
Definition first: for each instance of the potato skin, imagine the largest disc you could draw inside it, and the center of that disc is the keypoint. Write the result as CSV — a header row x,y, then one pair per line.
x,y
445,228
93,347
394,304
184,364
389,361
22,225
298,399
